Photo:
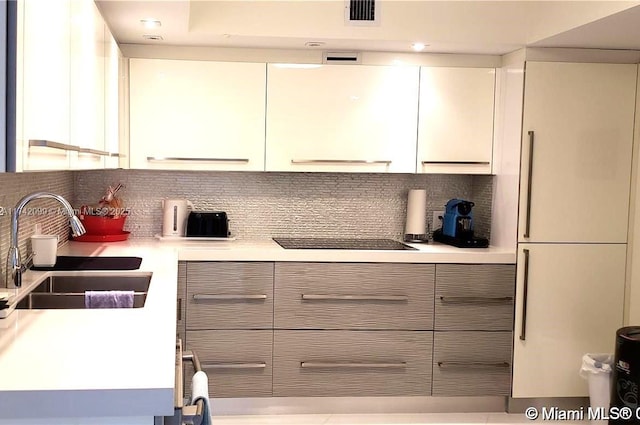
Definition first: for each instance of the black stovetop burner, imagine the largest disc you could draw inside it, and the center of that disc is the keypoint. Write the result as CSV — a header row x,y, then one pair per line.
x,y
330,243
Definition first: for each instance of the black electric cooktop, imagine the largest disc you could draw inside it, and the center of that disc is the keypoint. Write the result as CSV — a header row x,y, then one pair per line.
x,y
326,243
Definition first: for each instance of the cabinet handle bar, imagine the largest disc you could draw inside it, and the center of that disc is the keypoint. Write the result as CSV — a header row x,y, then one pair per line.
x,y
331,365
523,326
475,300
473,364
258,365
53,145
229,297
527,223
338,161
166,158
392,298
457,162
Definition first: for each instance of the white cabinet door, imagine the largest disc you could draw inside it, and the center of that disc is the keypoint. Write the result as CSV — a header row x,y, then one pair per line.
x,y
112,123
581,120
87,85
42,73
197,115
574,298
455,124
341,118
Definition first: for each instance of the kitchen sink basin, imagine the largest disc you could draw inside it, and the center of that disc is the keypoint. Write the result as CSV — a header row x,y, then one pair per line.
x,y
67,292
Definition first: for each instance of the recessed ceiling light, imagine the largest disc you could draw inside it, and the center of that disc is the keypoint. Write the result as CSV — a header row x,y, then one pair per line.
x,y
314,43
152,37
150,23
418,47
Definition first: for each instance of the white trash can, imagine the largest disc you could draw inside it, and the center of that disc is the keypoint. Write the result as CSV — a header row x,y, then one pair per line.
x,y
596,369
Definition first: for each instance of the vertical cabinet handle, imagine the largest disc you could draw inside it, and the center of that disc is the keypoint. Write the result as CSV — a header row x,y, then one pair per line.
x,y
179,312
523,326
527,222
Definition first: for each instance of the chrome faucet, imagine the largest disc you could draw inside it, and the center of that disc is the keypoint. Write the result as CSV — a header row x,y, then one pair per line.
x,y
15,268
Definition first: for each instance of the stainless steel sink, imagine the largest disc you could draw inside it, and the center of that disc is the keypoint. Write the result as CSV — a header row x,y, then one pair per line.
x,y
67,292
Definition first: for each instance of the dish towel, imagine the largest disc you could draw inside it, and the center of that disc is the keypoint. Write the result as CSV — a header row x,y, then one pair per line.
x,y
200,390
108,299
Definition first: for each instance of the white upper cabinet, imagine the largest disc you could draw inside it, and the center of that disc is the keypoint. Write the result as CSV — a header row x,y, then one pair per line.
x,y
87,85
113,141
576,152
42,107
455,130
341,118
197,115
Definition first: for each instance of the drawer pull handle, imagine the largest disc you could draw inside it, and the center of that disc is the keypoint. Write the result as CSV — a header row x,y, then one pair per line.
x,y
331,365
259,365
457,162
53,145
501,365
391,298
166,158
339,161
226,297
475,300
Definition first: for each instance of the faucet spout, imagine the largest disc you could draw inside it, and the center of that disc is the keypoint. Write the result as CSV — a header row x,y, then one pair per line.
x,y
15,268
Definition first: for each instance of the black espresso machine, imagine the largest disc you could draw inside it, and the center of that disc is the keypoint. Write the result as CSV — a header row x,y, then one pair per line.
x,y
457,226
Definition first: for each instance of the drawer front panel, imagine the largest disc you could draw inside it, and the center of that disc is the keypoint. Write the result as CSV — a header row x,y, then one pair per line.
x,y
474,297
354,296
238,363
472,363
229,295
351,363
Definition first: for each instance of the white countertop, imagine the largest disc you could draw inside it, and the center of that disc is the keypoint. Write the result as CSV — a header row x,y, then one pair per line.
x,y
120,362
268,250
100,362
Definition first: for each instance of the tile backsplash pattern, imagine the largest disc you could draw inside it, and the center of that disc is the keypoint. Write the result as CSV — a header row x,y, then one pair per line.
x,y
14,186
265,205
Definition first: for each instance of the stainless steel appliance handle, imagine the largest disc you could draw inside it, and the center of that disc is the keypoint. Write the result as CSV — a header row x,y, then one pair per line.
x,y
258,365
229,297
523,326
332,365
527,222
163,158
339,161
457,162
473,364
391,298
53,145
475,300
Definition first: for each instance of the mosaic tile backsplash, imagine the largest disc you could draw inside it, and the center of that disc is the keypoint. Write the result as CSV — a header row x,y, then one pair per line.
x,y
13,186
265,205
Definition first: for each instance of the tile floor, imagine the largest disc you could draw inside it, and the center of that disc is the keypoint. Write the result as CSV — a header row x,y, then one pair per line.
x,y
383,419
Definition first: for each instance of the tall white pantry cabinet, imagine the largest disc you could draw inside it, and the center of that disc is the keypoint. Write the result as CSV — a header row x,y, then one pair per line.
x,y
573,219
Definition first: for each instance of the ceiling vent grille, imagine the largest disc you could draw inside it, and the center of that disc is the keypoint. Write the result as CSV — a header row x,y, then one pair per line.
x,y
361,12
345,58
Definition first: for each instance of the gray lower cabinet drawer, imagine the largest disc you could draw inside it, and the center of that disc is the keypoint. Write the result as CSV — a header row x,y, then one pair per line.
x,y
238,363
229,295
474,297
472,363
352,363
354,296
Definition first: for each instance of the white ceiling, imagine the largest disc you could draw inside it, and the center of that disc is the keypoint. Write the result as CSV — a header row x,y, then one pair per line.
x,y
485,27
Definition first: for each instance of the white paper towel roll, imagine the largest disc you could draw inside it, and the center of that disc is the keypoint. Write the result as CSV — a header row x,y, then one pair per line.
x,y
416,212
